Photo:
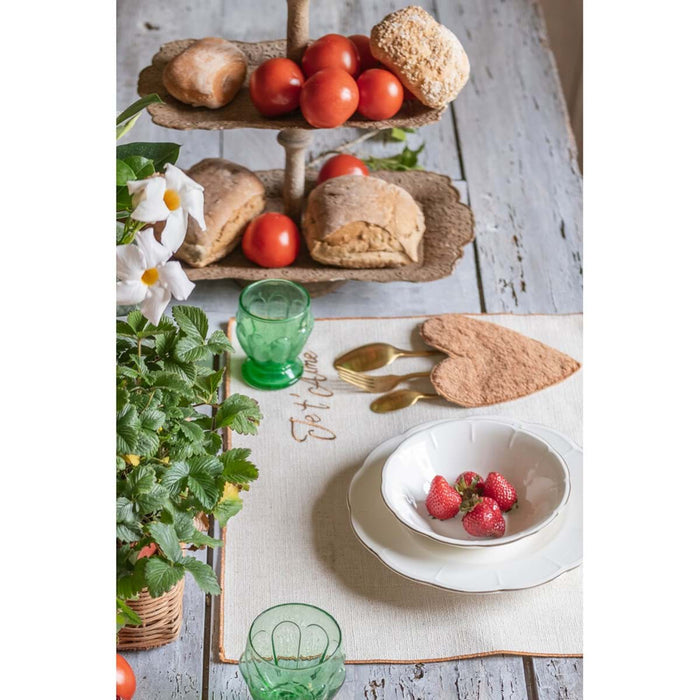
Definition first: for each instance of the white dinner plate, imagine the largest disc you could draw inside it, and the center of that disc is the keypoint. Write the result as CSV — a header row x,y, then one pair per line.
x,y
528,562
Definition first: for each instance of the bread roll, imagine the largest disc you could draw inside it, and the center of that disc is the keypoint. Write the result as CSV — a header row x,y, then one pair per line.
x,y
360,221
425,55
232,197
208,73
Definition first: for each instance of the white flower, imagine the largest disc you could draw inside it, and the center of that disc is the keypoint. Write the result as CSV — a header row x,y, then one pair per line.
x,y
147,278
170,198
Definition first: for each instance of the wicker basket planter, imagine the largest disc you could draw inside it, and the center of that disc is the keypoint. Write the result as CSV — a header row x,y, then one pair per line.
x,y
161,618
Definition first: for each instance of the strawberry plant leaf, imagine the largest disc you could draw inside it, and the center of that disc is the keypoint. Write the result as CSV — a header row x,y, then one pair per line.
x,y
162,575
166,538
190,349
218,342
226,508
152,419
191,320
203,574
240,413
125,615
237,468
199,539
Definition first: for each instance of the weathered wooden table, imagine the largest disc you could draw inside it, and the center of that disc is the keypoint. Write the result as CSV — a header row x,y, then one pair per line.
x,y
507,144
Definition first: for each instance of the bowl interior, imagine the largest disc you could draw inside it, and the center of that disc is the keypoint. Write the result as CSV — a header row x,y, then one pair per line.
x,y
537,472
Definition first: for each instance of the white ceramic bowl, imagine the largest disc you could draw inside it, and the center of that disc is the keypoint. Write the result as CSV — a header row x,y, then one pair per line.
x,y
540,477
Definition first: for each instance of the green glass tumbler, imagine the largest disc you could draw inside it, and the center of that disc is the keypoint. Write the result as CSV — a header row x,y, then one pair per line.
x,y
273,323
293,651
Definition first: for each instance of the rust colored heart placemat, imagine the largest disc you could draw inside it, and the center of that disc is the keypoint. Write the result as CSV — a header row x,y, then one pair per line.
x,y
293,540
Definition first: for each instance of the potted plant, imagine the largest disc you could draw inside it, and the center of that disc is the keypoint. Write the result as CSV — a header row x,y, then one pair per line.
x,y
171,472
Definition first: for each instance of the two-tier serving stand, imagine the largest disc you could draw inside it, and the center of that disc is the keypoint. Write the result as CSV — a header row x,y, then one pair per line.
x,y
449,224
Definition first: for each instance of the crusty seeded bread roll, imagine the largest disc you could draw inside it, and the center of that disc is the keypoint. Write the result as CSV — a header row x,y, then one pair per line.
x,y
360,221
425,55
232,197
208,73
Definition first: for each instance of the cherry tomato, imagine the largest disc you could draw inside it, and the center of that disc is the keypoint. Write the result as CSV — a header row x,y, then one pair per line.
x,y
329,98
271,240
275,86
331,51
367,61
342,164
381,94
126,681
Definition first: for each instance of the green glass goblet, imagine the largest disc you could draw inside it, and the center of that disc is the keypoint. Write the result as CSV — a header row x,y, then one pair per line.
x,y
293,651
273,323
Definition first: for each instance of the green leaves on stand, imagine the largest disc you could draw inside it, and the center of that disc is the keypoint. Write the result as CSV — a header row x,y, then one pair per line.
x,y
169,465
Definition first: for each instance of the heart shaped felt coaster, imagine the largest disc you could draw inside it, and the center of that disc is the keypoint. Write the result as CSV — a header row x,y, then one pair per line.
x,y
489,364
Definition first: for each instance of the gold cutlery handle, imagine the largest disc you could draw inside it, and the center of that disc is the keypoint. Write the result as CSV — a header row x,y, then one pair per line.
x,y
420,353
396,400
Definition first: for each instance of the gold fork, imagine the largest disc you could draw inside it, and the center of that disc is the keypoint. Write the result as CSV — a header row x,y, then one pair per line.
x,y
376,384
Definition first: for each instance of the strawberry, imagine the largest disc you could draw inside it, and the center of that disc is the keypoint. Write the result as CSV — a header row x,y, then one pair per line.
x,y
443,502
484,519
501,490
468,483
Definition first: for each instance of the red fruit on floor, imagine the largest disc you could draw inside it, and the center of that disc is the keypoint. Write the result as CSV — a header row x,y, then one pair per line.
x,y
126,681
501,490
443,502
468,483
484,519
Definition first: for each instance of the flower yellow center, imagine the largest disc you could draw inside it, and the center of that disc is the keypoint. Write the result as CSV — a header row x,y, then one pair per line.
x,y
150,276
171,199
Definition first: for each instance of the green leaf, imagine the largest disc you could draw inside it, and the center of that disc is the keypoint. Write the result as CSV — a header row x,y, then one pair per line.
x,y
161,575
226,508
159,153
125,615
203,574
397,134
192,321
186,370
129,532
240,413
171,381
124,173
406,160
152,419
202,480
153,500
190,349
122,398
127,430
175,477
218,342
129,585
237,468
148,443
136,320
142,167
125,329
166,538
126,127
199,539
192,431
135,107
141,480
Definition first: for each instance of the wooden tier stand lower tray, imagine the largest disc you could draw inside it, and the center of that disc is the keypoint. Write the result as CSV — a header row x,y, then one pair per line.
x,y
449,226
241,113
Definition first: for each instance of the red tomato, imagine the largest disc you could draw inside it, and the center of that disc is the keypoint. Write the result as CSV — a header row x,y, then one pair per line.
x,y
342,164
271,240
367,61
126,681
331,51
329,98
275,86
381,94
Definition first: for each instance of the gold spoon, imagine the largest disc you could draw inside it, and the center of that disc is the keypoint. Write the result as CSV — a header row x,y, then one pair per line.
x,y
376,355
403,398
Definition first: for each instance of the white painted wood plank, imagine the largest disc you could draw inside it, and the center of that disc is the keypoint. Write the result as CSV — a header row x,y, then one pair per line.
x,y
519,158
559,679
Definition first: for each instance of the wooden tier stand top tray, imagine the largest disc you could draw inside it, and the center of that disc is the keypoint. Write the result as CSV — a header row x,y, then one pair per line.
x,y
449,227
241,113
